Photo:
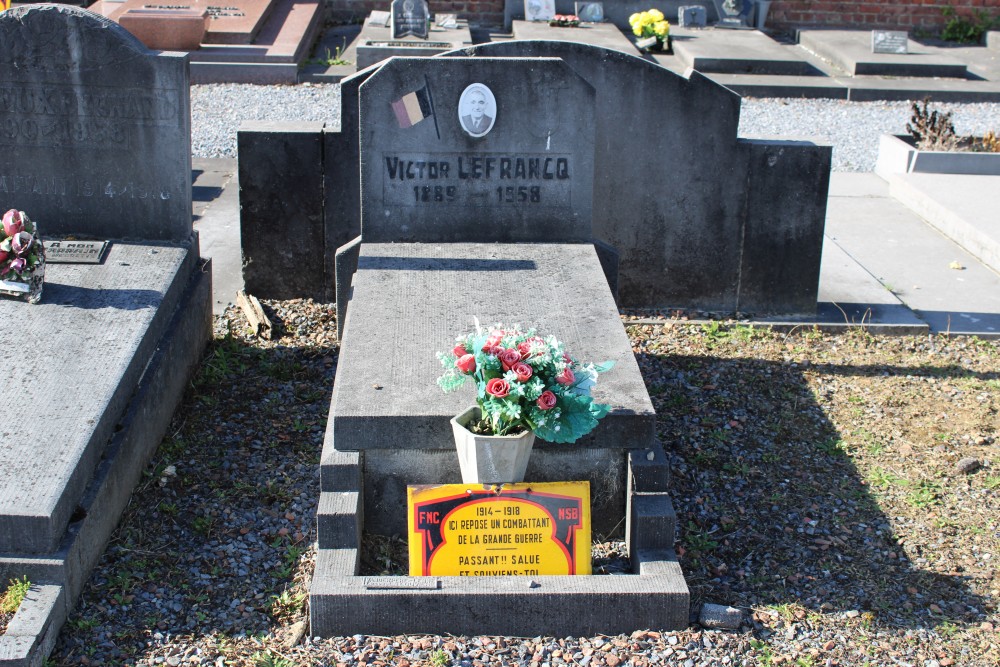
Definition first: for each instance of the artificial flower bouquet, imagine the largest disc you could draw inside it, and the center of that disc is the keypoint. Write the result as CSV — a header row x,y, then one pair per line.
x,y
525,382
651,27
565,21
22,256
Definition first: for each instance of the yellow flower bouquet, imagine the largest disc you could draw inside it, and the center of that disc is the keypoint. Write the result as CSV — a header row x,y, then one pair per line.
x,y
652,29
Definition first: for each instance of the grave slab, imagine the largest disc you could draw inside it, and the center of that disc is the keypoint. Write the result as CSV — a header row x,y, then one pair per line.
x,y
605,35
376,43
229,21
913,259
739,52
851,51
167,29
70,409
374,406
74,126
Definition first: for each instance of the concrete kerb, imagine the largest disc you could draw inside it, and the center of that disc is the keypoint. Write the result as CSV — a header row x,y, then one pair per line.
x,y
343,603
143,425
33,631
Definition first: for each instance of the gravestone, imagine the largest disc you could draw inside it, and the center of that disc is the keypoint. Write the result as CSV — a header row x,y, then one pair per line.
x,y
476,181
890,41
692,16
444,149
409,17
94,129
590,12
734,13
539,10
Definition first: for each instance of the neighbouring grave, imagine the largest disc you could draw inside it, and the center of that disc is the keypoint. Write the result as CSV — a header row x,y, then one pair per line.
x,y
407,32
409,17
96,145
479,172
253,41
71,143
852,51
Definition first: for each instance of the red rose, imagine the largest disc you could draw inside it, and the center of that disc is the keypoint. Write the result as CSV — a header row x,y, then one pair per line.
x,y
491,342
493,351
509,357
566,377
523,371
4,255
497,387
466,363
546,401
525,349
460,350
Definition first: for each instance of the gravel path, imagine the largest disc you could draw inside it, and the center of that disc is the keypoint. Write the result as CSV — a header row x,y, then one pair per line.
x,y
821,483
852,127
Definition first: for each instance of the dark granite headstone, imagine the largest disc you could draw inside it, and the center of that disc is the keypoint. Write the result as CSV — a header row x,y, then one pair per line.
x,y
409,17
487,150
95,129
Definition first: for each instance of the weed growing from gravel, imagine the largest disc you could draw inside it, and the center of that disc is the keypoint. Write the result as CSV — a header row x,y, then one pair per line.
x,y
16,591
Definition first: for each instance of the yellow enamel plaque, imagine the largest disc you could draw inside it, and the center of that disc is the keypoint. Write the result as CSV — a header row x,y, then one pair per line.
x,y
469,530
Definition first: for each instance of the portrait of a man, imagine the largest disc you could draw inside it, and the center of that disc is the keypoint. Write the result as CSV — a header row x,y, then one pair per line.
x,y
477,110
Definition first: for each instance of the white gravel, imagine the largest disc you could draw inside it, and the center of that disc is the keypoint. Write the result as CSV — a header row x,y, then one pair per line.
x,y
217,110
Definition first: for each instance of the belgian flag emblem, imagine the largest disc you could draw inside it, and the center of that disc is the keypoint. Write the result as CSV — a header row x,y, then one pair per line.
x,y
411,108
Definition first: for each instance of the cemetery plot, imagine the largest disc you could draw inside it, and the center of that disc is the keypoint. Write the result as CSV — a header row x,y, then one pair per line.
x,y
97,147
229,21
377,41
852,51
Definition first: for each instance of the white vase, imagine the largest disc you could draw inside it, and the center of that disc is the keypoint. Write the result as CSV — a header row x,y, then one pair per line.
x,y
490,459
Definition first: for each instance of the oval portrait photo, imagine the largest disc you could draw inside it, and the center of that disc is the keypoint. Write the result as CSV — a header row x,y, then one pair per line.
x,y
477,110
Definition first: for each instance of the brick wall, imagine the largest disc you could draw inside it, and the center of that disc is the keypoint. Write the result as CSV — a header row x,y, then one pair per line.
x,y
902,15
478,12
898,14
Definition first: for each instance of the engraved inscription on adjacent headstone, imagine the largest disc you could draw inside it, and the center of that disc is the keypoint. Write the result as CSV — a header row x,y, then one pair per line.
x,y
95,129
409,17
74,252
484,149
590,12
889,41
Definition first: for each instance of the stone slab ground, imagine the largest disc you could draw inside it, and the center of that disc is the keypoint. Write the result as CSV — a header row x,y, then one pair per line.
x,y
740,52
963,208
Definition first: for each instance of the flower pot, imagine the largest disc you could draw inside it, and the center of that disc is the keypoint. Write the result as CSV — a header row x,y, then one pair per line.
x,y
490,459
30,289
